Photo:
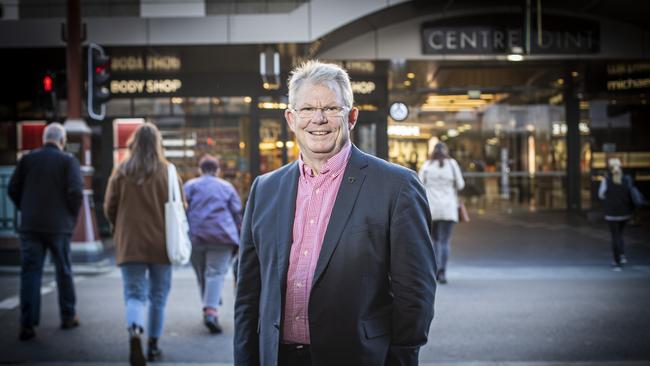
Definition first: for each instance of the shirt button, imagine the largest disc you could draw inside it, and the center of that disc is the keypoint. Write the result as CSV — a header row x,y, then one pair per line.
x,y
305,252
298,284
311,221
297,317
317,190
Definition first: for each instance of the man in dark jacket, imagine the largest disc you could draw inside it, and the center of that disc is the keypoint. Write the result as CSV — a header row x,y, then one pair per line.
x,y
47,189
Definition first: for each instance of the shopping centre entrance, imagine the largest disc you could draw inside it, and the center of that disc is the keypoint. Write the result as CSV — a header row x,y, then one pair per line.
x,y
503,122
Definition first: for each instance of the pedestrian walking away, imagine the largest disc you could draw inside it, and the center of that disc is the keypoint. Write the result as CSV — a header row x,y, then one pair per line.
x,y
214,215
615,191
135,207
442,178
46,187
336,263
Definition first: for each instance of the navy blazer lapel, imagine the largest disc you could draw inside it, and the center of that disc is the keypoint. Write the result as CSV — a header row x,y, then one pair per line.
x,y
286,211
353,179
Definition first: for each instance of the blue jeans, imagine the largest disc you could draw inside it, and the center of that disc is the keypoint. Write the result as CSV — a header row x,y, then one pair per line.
x,y
441,234
211,265
33,247
141,290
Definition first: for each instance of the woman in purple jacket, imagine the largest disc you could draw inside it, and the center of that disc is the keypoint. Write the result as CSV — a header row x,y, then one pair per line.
x,y
214,214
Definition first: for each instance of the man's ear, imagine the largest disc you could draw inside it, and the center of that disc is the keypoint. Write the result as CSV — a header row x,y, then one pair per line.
x,y
291,119
353,115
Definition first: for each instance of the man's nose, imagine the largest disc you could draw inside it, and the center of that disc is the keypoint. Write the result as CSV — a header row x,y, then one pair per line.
x,y
319,117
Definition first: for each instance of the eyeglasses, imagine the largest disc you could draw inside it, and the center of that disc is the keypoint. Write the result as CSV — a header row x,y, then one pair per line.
x,y
310,112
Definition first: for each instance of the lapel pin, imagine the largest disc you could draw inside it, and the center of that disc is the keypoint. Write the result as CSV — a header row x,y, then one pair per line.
x,y
351,179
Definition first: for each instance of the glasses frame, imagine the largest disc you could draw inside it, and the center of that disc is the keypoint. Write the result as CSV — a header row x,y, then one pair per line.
x,y
340,114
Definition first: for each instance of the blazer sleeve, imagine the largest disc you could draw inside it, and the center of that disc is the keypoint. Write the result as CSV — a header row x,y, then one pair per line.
x,y
247,301
75,186
15,189
412,271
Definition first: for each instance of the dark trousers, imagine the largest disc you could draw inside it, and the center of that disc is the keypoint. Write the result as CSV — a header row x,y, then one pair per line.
x,y
33,247
294,355
441,235
618,246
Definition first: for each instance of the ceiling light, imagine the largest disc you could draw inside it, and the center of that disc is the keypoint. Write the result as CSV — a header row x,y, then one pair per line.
x,y
410,75
516,54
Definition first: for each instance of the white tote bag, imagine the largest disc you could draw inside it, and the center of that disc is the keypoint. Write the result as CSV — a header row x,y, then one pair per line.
x,y
179,246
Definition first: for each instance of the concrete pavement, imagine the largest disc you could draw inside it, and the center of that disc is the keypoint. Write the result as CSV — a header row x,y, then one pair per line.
x,y
524,290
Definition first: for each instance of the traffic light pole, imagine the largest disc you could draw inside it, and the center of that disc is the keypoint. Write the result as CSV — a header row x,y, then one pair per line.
x,y
86,245
73,59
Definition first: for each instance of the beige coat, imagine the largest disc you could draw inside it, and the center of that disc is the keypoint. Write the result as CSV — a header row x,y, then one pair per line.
x,y
442,184
137,217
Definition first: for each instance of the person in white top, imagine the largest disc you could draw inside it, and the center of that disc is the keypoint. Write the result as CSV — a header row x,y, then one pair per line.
x,y
442,179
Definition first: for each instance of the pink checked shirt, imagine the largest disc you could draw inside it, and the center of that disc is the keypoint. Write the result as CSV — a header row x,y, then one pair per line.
x,y
314,203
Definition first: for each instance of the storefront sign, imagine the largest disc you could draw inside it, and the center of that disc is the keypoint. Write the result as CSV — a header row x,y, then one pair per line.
x,y
145,63
363,87
632,76
500,33
619,77
164,86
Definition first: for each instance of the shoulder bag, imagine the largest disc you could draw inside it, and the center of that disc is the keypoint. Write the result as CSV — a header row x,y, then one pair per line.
x,y
463,216
179,247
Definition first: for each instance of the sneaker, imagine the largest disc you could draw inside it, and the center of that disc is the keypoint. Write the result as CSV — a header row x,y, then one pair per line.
x,y
26,333
70,323
623,259
136,357
212,322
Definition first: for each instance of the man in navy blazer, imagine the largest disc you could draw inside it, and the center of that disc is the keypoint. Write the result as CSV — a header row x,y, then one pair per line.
x,y
336,260
47,189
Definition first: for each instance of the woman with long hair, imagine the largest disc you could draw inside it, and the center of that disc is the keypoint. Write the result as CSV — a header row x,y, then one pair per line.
x,y
615,191
134,205
442,179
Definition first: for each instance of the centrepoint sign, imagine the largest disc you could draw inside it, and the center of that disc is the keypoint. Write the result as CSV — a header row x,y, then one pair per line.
x,y
500,33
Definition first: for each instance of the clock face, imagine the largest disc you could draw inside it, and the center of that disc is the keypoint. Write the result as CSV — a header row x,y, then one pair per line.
x,y
399,111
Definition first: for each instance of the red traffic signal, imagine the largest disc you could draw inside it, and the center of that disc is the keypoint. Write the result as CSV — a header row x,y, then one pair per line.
x,y
48,84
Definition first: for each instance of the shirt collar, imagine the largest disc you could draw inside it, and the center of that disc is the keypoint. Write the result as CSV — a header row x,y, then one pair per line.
x,y
333,165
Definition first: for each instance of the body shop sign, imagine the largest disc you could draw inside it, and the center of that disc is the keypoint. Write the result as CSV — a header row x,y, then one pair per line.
x,y
161,86
499,33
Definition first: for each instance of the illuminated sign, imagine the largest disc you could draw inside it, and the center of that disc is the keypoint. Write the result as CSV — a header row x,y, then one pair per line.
x,y
628,76
363,87
148,63
500,33
164,86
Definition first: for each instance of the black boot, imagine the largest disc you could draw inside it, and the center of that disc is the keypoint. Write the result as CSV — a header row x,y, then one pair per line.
x,y
153,352
136,357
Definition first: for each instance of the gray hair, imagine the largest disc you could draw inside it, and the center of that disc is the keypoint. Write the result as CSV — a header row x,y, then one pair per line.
x,y
54,132
316,72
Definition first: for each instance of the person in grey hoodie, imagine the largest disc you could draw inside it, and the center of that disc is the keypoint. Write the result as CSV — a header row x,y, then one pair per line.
x,y
214,215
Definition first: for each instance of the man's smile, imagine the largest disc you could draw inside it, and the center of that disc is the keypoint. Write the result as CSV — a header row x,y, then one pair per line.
x,y
319,133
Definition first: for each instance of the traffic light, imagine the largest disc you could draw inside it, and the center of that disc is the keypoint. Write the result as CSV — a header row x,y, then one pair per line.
x,y
48,83
98,77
